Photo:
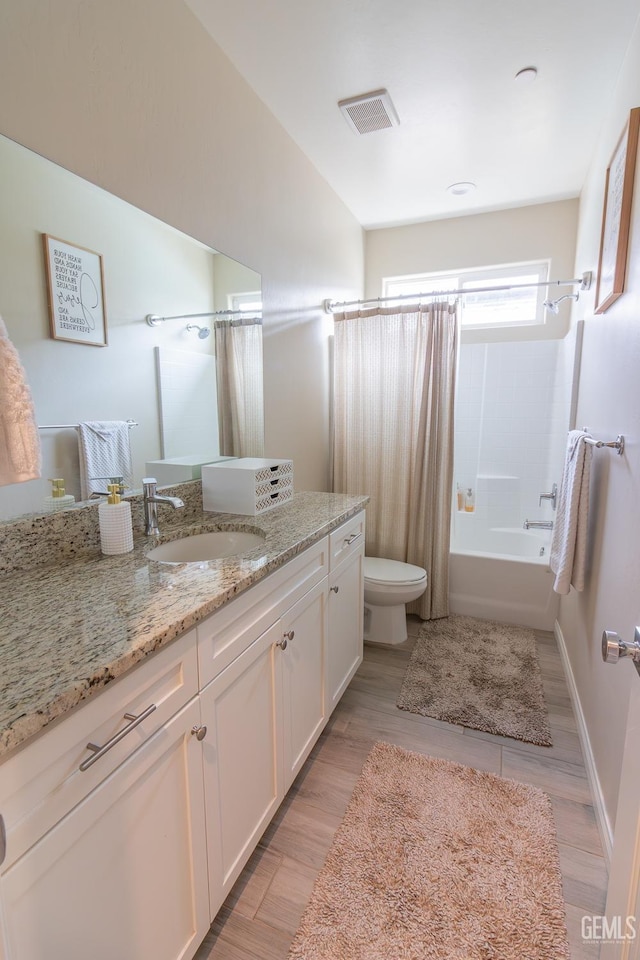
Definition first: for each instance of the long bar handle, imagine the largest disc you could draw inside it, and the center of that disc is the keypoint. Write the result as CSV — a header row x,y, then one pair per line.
x,y
98,752
351,539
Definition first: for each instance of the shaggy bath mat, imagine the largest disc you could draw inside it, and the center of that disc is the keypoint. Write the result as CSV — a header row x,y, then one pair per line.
x,y
478,674
436,861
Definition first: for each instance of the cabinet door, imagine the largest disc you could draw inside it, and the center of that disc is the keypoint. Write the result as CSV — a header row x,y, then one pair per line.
x,y
243,785
302,667
344,641
124,874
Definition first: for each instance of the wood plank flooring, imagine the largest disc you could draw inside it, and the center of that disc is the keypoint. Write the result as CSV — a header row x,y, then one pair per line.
x,y
261,915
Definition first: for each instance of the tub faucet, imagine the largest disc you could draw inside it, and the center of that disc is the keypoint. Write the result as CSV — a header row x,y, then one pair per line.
x,y
151,500
538,524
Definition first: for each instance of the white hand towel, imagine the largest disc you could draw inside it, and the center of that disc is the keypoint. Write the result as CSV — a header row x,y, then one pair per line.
x,y
105,451
19,438
569,543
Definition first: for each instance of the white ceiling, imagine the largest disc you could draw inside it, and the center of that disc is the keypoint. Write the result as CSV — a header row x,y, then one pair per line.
x,y
449,66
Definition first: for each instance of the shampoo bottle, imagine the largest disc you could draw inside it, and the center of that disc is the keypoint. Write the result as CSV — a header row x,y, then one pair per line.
x,y
469,502
116,528
58,498
460,496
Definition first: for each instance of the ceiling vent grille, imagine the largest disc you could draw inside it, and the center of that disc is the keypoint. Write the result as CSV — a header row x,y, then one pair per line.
x,y
369,112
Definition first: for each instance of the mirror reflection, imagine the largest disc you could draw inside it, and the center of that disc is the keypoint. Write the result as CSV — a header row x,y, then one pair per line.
x,y
191,386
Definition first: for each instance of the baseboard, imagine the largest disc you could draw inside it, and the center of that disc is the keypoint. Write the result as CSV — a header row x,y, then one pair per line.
x,y
604,825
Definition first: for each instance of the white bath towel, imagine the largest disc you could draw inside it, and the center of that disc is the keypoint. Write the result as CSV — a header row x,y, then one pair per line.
x,y
19,438
569,542
105,451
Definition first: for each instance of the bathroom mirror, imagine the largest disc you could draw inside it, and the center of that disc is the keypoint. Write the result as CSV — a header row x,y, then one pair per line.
x,y
149,268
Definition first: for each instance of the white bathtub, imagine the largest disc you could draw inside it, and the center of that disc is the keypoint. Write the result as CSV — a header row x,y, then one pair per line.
x,y
502,573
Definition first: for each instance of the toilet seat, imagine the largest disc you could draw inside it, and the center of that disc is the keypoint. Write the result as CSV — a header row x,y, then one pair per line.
x,y
378,570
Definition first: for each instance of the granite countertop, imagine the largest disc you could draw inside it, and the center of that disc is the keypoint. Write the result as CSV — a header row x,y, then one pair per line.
x,y
67,630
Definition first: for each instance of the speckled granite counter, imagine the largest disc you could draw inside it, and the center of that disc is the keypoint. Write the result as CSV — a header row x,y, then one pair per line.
x,y
66,630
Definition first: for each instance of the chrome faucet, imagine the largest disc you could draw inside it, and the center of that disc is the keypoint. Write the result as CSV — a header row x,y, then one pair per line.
x,y
538,524
151,500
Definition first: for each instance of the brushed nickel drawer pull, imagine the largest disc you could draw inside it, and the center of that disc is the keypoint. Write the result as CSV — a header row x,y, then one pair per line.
x,y
199,730
98,752
282,643
351,539
334,589
3,839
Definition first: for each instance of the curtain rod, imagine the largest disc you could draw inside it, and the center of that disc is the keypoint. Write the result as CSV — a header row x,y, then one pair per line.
x,y
154,320
331,306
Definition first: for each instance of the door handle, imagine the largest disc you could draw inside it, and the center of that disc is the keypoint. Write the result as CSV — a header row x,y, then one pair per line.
x,y
614,647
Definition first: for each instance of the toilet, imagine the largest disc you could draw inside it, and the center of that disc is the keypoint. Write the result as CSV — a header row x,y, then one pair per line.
x,y
388,586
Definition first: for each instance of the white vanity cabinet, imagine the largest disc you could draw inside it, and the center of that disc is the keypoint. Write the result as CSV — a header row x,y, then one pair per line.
x,y
128,851
263,706
110,861
346,608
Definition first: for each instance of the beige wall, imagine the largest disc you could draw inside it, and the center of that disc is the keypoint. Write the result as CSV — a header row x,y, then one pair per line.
x,y
609,403
544,231
136,97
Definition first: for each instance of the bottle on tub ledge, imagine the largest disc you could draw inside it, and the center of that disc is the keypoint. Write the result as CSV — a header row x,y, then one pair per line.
x,y
460,497
469,501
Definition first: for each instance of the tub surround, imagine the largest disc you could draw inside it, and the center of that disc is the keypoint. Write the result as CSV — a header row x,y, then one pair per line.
x,y
73,619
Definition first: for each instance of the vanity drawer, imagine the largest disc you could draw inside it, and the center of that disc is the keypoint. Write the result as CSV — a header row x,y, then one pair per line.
x,y
230,630
346,539
43,781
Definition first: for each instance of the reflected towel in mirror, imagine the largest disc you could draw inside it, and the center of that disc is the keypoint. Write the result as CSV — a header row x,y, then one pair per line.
x,y
105,451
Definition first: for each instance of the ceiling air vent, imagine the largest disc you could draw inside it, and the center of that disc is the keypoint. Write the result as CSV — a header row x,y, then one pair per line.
x,y
369,112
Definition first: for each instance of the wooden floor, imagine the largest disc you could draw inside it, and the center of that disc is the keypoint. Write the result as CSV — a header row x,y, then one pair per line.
x,y
260,916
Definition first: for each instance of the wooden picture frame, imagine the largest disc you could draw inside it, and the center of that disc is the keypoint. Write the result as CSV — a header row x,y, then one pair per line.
x,y
616,215
75,288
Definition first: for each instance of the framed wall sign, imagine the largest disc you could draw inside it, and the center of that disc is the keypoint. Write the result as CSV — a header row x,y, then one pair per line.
x,y
616,215
75,285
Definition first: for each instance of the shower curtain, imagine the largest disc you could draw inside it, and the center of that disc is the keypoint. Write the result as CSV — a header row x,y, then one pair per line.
x,y
239,378
394,383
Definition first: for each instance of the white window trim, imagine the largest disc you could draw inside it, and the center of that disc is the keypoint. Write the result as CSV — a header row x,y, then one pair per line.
x,y
455,280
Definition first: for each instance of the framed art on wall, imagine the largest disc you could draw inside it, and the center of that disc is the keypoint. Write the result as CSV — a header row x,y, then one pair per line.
x,y
75,286
616,215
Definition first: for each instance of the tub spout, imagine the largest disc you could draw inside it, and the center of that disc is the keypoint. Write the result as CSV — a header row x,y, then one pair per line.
x,y
538,525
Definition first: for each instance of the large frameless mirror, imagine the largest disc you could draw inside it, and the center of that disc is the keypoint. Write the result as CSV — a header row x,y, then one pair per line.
x,y
191,386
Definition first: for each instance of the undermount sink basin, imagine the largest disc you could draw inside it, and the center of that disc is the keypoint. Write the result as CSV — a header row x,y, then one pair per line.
x,y
201,547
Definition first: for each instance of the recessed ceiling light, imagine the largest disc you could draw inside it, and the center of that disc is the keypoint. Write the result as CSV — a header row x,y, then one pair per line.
x,y
460,189
526,75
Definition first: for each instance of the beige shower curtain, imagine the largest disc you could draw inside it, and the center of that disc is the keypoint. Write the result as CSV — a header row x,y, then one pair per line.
x,y
394,382
239,378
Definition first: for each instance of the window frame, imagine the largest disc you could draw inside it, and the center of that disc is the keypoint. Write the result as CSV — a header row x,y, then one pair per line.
x,y
470,276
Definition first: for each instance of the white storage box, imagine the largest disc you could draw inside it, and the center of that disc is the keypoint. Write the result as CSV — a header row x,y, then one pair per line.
x,y
248,485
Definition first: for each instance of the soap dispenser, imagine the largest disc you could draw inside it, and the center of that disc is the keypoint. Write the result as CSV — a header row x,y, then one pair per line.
x,y
58,499
116,528
469,501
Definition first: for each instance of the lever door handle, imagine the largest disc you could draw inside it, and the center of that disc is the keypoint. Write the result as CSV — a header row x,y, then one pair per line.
x,y
615,648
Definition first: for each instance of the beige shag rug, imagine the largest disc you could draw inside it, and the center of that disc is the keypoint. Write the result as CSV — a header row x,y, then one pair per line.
x,y
478,674
436,861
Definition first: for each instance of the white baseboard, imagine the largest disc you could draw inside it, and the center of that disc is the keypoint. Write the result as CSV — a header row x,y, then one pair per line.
x,y
604,825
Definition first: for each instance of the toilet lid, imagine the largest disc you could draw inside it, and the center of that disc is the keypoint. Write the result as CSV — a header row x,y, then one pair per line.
x,y
379,570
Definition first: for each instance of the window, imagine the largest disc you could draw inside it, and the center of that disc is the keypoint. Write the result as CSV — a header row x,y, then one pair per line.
x,y
247,302
494,308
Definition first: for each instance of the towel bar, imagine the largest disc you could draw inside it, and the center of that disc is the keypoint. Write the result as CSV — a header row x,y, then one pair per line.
x,y
617,444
